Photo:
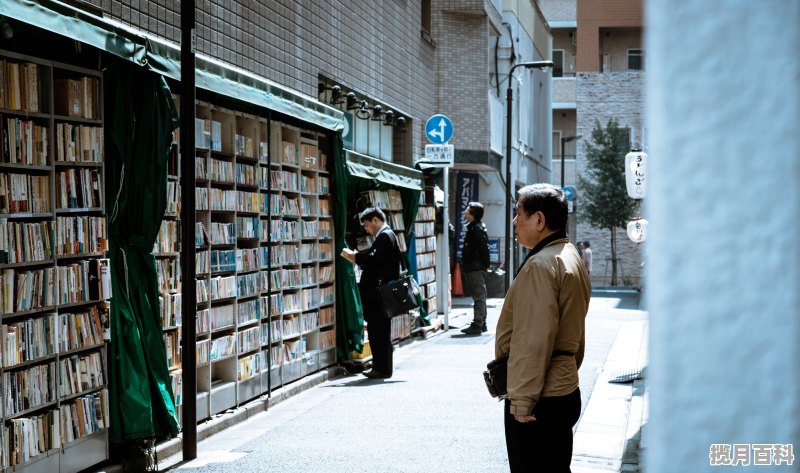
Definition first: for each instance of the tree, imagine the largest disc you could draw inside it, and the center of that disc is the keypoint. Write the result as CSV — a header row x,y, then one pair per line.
x,y
605,202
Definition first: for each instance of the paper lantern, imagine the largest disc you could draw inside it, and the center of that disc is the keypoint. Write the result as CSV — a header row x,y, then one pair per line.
x,y
637,230
635,170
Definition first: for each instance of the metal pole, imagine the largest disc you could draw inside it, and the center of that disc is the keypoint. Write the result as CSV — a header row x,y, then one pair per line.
x,y
189,299
562,161
509,98
444,288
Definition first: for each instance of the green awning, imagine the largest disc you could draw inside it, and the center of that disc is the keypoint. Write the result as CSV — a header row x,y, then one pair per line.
x,y
165,58
362,166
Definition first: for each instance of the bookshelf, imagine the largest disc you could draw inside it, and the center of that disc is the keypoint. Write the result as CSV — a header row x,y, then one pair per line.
x,y
168,267
425,242
265,265
54,275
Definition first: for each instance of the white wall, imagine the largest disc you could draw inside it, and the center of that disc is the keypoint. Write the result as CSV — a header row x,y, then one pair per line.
x,y
724,205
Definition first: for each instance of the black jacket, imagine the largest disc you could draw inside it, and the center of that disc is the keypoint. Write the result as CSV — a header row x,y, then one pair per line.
x,y
475,254
380,264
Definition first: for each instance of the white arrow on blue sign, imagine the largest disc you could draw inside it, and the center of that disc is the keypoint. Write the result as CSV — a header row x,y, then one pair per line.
x,y
439,129
569,192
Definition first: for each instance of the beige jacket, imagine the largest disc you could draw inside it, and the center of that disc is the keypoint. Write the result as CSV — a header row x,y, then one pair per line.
x,y
544,311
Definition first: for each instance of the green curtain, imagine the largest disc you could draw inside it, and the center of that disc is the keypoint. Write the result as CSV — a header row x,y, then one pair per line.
x,y
350,315
139,121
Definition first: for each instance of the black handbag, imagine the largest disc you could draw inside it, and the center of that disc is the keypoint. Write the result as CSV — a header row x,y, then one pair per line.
x,y
496,377
401,295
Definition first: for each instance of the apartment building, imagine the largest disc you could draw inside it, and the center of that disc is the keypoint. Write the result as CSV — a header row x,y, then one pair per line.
x,y
478,42
599,61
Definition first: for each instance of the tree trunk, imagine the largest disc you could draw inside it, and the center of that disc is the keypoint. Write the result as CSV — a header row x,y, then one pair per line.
x,y
613,256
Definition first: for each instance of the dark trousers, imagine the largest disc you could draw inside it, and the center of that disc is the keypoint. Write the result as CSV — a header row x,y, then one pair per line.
x,y
544,445
380,341
477,287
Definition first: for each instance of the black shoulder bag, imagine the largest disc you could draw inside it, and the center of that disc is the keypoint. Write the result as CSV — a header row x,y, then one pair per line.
x,y
399,296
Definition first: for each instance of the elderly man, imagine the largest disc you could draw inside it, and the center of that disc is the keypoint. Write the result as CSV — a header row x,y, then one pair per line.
x,y
541,330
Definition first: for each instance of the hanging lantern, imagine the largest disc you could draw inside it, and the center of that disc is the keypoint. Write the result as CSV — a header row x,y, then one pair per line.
x,y
637,230
635,170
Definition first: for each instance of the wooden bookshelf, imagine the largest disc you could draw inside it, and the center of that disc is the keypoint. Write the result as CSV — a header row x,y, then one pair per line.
x,y
54,276
265,265
426,253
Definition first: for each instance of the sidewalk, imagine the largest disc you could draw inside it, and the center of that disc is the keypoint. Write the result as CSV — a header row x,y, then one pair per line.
x,y
258,436
608,435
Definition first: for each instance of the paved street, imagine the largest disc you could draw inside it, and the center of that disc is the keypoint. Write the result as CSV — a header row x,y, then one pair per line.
x,y
433,415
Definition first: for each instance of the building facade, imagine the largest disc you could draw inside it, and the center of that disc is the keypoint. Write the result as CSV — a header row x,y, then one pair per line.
x,y
477,44
599,75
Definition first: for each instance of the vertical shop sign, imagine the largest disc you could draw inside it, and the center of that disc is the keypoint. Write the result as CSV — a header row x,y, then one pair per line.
x,y
466,192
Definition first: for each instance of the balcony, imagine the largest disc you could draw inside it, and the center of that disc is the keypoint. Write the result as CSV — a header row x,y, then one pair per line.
x,y
564,93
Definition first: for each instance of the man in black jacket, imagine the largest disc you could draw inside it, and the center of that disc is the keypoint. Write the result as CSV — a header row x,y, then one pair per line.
x,y
380,264
474,265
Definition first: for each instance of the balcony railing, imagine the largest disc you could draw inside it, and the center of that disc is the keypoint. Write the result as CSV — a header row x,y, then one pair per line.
x,y
564,90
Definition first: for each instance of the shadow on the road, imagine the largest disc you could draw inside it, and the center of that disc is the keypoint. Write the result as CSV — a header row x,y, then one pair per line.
x,y
361,382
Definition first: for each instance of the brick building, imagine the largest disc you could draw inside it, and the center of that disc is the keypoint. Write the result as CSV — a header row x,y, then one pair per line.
x,y
599,74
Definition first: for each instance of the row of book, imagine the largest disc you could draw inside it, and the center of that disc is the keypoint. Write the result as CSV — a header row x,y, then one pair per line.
x,y
387,200
425,213
20,193
32,339
79,143
425,244
41,288
25,142
26,242
169,275
26,438
79,189
19,86
78,98
249,340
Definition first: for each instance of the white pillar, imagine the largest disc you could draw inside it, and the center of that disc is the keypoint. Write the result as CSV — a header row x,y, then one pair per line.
x,y
723,109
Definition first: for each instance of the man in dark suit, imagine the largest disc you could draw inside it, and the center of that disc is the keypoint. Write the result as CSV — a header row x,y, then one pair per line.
x,y
380,264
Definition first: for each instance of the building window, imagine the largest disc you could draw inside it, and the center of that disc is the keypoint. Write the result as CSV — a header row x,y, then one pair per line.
x,y
426,17
558,63
635,59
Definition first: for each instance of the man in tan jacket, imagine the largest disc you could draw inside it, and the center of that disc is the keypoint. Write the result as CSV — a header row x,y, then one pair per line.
x,y
541,330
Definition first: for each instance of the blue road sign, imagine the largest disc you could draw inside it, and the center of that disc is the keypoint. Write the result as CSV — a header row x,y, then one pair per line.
x,y
439,129
569,191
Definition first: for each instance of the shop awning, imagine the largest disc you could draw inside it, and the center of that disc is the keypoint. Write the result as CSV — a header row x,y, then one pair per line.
x,y
165,58
362,166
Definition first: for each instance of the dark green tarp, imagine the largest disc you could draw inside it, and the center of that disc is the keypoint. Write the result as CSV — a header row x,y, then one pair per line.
x,y
140,117
350,321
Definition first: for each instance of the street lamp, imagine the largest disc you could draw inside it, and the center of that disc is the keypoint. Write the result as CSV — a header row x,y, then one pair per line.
x,y
509,99
564,141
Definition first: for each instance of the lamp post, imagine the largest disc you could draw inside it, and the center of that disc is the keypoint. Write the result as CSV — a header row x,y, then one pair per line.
x,y
563,142
509,99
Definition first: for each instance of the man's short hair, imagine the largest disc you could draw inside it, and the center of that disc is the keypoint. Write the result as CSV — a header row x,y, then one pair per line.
x,y
548,199
587,244
475,209
368,214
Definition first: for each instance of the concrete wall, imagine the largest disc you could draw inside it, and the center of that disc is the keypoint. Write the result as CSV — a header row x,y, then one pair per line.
x,y
602,97
724,207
